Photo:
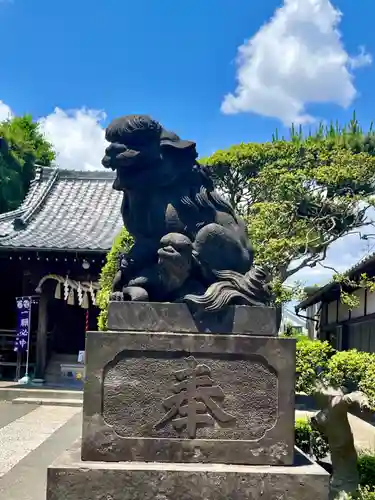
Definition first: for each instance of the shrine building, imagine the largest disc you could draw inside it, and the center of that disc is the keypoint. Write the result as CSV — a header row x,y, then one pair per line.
x,y
52,248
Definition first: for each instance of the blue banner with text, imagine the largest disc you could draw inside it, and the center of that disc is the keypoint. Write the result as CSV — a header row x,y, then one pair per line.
x,y
23,323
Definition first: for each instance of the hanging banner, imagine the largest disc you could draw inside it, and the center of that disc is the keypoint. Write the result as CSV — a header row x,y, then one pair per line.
x,y
23,324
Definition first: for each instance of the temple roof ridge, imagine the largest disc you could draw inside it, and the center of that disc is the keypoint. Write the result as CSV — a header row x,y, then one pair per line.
x,y
65,210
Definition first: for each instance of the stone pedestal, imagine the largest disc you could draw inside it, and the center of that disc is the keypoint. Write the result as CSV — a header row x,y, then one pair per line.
x,y
180,407
141,391
176,318
72,479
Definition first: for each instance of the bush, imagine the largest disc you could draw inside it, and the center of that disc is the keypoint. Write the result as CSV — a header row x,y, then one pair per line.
x,y
367,384
312,359
309,440
364,493
366,469
353,370
302,433
347,368
122,243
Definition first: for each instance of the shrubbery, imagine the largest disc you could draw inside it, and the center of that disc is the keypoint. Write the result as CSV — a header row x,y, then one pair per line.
x,y
348,368
309,440
364,494
121,244
312,359
352,370
366,468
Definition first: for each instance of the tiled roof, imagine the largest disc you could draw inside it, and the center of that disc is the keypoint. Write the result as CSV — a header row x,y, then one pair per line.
x,y
65,210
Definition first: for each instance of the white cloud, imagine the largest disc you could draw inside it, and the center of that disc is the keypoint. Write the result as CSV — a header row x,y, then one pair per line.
x,y
362,59
295,59
5,111
77,137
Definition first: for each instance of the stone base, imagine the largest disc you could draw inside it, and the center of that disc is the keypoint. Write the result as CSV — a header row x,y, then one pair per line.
x,y
188,397
71,479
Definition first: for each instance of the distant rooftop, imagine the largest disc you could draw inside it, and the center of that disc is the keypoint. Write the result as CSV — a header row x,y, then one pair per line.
x,y
290,317
65,210
329,290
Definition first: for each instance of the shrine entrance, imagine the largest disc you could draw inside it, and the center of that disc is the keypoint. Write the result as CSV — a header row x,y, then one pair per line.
x,y
67,309
67,325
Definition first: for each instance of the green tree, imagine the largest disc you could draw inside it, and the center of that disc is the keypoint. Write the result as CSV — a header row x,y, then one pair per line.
x,y
22,146
298,196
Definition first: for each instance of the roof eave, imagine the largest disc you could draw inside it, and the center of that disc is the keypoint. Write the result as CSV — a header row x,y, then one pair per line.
x,y
52,249
315,298
329,287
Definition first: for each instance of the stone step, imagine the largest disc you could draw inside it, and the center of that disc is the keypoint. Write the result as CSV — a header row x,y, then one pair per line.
x,y
49,401
64,358
11,393
55,367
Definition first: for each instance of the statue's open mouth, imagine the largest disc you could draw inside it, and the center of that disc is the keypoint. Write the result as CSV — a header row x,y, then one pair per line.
x,y
167,252
125,168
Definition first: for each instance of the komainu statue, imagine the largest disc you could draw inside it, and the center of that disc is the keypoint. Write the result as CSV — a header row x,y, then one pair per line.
x,y
189,245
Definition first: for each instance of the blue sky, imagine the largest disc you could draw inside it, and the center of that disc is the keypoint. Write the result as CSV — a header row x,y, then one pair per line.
x,y
174,60
77,64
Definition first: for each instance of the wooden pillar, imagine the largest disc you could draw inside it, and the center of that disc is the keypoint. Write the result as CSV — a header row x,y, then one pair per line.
x,y
41,338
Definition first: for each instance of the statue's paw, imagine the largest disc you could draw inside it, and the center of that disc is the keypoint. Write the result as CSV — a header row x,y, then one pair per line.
x,y
116,297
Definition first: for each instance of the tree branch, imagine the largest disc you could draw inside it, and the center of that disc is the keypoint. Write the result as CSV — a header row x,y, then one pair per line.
x,y
332,421
313,259
328,267
305,262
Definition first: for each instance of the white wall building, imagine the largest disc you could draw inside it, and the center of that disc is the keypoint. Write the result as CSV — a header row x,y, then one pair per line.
x,y
332,320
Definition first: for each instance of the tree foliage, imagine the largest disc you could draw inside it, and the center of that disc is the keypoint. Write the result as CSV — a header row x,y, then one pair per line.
x,y
22,146
299,195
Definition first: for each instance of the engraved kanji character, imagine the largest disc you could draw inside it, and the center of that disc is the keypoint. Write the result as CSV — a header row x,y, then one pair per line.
x,y
193,404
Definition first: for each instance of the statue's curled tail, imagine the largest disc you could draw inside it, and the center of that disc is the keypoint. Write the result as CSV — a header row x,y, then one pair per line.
x,y
234,288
